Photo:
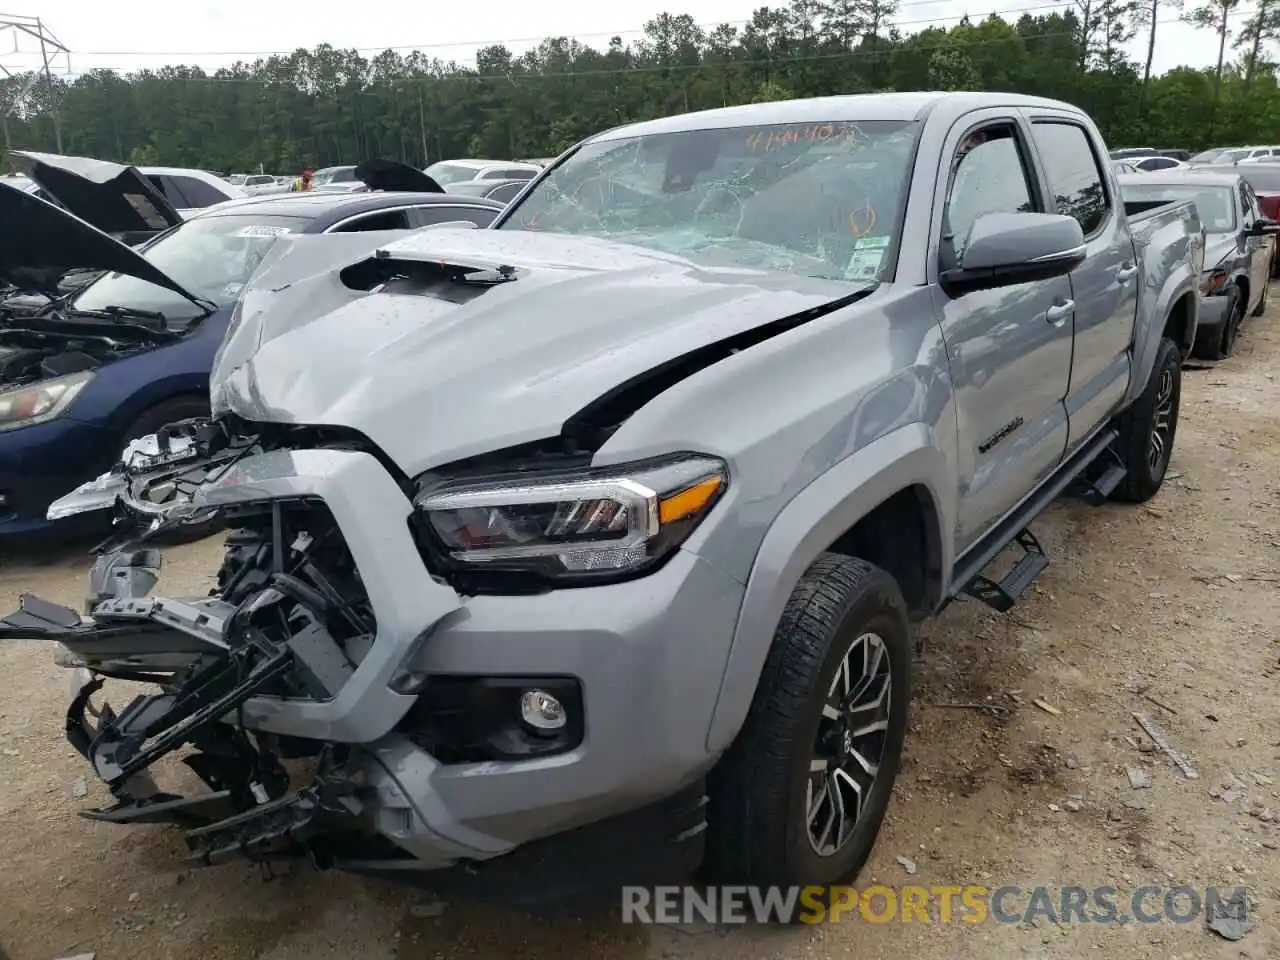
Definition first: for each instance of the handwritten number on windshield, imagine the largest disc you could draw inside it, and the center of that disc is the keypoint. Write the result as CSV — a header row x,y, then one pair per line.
x,y
862,220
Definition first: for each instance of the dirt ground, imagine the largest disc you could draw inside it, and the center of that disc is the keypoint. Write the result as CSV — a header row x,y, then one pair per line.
x,y
1171,610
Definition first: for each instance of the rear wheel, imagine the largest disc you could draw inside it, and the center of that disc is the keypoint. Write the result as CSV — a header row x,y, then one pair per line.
x,y
1148,428
800,796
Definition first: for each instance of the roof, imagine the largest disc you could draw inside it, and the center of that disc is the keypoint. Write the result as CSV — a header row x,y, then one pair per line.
x,y
847,109
1177,176
314,206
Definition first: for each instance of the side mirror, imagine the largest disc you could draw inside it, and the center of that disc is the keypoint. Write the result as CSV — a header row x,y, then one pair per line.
x,y
1264,227
1004,249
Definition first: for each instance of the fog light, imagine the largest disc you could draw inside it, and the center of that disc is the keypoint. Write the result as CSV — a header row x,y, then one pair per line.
x,y
542,711
409,682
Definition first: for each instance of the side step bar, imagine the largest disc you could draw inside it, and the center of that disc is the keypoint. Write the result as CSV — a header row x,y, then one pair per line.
x,y
967,575
1003,595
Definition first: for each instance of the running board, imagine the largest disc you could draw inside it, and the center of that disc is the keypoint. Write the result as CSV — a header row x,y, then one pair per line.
x,y
967,578
1096,484
1003,595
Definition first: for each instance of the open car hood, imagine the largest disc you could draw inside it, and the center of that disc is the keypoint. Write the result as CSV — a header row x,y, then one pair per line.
x,y
383,174
41,242
111,196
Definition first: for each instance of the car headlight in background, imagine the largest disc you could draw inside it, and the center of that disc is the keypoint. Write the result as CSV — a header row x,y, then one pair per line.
x,y
1212,281
596,524
39,402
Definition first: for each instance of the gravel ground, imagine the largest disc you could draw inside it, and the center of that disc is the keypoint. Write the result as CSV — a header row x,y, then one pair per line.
x,y
1171,609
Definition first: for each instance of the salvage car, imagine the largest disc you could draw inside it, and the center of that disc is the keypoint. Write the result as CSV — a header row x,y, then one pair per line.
x,y
584,549
124,353
1239,252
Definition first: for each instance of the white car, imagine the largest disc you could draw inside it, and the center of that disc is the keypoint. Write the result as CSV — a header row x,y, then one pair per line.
x,y
445,172
262,185
1152,164
190,190
336,180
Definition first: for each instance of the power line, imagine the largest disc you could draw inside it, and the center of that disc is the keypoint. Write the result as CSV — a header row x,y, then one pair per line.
x,y
511,41
777,61
630,31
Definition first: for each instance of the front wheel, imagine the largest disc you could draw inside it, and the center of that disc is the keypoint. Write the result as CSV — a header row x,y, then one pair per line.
x,y
800,796
1148,428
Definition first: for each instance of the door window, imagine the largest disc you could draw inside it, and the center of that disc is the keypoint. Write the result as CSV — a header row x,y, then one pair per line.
x,y
1075,178
505,193
383,220
988,176
172,192
199,193
427,216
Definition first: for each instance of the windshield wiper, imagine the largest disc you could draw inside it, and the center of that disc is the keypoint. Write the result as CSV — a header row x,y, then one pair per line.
x,y
133,313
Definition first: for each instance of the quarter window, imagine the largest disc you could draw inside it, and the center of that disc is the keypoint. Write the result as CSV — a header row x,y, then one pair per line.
x,y
1074,175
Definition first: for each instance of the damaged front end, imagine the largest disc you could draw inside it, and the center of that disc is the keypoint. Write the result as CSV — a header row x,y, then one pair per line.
x,y
287,620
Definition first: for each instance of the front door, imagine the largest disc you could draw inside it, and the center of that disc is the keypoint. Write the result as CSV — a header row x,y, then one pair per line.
x,y
1009,348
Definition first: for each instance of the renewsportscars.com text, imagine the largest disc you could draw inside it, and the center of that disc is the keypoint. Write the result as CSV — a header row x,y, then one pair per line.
x,y
920,904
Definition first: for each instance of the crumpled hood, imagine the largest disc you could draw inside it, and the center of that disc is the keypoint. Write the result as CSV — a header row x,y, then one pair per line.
x,y
113,197
39,243
431,380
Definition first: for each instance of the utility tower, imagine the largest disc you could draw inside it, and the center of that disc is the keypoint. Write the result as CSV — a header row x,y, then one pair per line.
x,y
31,51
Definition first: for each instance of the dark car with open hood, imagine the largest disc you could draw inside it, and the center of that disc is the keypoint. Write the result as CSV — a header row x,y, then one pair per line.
x,y
88,365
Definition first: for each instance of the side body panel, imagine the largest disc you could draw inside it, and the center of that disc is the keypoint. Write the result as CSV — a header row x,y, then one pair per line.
x,y
1170,248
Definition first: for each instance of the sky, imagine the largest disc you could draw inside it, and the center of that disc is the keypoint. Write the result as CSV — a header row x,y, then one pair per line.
x,y
149,33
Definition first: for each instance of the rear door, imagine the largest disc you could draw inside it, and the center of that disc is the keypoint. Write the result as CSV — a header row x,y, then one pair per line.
x,y
1104,288
1009,349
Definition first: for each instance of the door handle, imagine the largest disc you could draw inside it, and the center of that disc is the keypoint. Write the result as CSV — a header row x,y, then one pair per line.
x,y
1058,313
1127,272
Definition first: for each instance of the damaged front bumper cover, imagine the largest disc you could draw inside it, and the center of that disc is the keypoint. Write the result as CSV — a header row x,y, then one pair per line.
x,y
248,810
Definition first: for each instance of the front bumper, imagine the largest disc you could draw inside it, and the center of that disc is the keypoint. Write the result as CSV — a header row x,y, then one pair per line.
x,y
40,463
649,656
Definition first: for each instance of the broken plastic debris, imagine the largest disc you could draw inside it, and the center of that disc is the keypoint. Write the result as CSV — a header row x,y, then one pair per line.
x,y
1229,918
1047,707
1137,779
908,864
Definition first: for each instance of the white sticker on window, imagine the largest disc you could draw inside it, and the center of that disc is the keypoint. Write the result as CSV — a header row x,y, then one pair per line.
x,y
261,230
868,255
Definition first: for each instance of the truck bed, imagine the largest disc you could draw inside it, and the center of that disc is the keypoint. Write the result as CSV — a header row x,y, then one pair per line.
x,y
1165,223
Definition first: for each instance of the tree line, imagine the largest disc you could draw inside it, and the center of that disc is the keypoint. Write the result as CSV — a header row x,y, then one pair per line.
x,y
313,108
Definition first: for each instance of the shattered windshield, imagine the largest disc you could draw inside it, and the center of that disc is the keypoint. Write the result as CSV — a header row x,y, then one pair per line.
x,y
816,199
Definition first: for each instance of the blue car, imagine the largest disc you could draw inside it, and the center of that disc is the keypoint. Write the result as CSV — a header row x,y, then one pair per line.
x,y
85,370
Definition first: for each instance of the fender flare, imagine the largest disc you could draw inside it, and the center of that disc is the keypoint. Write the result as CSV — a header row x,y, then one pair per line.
x,y
806,526
1147,342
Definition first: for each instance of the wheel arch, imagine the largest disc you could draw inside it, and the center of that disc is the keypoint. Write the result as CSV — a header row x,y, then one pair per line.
x,y
893,484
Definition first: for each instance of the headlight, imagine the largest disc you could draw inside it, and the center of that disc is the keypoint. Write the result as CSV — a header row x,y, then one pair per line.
x,y
38,402
1212,281
597,524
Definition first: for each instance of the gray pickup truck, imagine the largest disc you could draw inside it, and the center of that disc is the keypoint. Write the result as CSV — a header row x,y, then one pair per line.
x,y
586,547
